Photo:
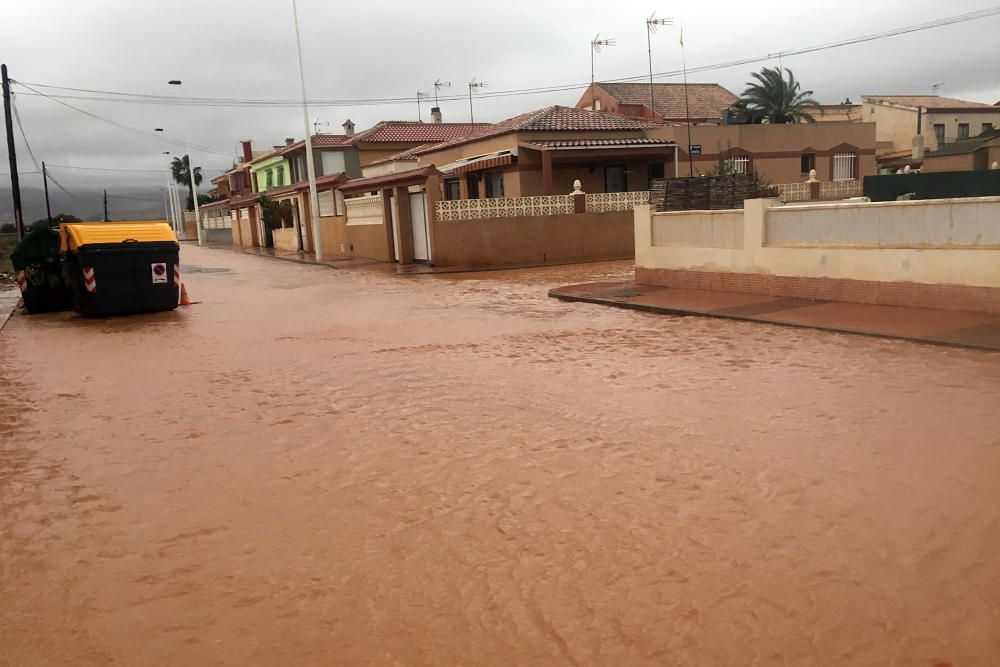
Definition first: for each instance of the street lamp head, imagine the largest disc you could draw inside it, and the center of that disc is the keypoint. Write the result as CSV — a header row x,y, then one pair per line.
x,y
166,152
157,129
174,82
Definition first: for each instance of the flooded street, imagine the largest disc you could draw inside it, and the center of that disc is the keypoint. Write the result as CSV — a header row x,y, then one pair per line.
x,y
344,467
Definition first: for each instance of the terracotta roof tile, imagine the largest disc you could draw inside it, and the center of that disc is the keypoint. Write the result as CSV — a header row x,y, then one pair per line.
x,y
599,143
408,154
407,131
549,119
706,100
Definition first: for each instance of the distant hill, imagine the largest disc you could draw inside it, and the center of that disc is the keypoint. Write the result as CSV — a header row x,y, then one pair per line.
x,y
86,205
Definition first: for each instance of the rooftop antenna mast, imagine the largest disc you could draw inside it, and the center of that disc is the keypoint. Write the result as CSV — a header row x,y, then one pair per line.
x,y
651,24
595,47
318,124
474,84
438,85
420,95
935,87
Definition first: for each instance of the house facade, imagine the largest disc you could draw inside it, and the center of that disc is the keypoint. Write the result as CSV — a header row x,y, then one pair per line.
x,y
661,102
917,123
542,152
780,153
978,153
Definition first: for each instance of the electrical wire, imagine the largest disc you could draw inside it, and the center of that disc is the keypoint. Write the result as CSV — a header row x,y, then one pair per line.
x,y
142,98
129,128
24,136
150,171
151,201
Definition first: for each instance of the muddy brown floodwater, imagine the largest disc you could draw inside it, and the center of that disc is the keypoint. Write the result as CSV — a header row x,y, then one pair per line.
x,y
318,467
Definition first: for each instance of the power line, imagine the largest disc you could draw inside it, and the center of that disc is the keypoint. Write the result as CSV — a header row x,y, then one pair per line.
x,y
151,171
13,103
128,128
142,98
152,201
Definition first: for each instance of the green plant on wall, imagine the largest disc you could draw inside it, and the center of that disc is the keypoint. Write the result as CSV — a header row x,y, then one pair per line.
x,y
275,214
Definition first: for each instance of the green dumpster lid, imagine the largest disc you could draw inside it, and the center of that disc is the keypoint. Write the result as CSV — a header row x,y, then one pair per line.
x,y
37,244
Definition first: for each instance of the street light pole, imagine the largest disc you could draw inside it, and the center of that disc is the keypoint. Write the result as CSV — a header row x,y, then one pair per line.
x,y
170,196
310,165
194,186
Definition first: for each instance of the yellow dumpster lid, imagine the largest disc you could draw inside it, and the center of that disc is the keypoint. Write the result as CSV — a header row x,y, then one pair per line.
x,y
76,234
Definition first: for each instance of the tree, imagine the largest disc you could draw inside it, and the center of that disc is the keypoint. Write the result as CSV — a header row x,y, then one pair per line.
x,y
179,169
775,99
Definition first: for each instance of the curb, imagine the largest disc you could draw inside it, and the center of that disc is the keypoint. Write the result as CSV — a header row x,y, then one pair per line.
x,y
664,310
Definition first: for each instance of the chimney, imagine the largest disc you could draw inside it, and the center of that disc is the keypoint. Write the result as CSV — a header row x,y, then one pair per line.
x,y
289,141
918,148
348,127
435,114
247,151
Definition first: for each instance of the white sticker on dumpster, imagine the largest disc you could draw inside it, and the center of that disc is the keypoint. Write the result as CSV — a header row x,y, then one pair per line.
x,y
159,271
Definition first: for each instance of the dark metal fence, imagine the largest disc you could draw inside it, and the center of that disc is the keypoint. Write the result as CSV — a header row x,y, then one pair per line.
x,y
936,185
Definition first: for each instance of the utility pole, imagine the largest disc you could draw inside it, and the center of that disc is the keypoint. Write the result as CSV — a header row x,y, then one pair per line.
x,y
106,205
15,182
310,165
45,180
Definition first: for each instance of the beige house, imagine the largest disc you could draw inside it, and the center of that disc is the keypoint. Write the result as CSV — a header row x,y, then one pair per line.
x,y
919,123
786,153
973,154
543,151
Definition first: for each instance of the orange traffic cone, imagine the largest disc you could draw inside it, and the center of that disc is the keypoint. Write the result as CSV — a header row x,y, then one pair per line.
x,y
185,301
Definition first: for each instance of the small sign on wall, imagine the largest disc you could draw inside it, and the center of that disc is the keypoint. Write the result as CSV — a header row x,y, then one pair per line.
x,y
694,149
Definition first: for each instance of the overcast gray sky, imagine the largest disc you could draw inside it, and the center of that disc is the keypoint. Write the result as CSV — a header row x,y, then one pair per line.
x,y
378,49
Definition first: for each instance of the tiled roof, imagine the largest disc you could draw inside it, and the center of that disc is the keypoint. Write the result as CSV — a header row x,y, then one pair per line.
x,y
599,143
550,119
706,100
408,154
411,131
387,180
927,101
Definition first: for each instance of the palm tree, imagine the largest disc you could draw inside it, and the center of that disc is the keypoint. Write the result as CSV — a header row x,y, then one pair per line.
x,y
179,170
774,99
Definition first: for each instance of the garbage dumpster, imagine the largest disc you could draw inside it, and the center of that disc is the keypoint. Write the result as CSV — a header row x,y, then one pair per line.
x,y
119,268
38,267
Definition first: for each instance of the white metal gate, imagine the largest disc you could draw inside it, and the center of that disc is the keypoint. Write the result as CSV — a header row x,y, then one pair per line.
x,y
418,221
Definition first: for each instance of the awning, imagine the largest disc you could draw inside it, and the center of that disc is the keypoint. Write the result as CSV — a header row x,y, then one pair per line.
x,y
479,162
398,179
485,163
602,144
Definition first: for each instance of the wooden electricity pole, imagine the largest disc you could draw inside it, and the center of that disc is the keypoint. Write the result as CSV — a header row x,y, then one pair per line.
x,y
15,183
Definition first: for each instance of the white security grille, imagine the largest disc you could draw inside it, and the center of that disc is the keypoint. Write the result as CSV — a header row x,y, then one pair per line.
x,y
738,164
843,166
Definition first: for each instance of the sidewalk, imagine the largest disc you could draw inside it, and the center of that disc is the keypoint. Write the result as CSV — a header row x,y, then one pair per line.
x,y
925,325
9,295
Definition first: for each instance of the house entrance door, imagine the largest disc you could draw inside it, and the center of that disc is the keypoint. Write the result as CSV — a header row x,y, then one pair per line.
x,y
418,220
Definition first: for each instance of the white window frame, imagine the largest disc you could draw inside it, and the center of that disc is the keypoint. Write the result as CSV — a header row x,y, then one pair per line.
x,y
325,200
737,164
845,166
